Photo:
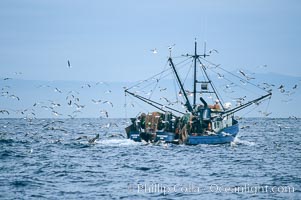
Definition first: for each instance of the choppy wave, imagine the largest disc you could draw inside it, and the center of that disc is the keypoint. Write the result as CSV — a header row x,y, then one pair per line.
x,y
53,159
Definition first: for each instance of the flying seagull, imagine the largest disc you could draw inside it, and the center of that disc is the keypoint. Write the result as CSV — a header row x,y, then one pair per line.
x,y
69,64
4,111
213,50
154,51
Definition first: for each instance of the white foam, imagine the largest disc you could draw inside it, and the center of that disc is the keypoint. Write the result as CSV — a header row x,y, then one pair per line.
x,y
117,142
243,142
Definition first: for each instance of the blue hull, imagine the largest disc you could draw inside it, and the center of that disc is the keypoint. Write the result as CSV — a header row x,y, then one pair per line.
x,y
135,135
227,135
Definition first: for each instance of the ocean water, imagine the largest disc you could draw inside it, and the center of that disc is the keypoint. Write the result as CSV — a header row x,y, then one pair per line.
x,y
47,159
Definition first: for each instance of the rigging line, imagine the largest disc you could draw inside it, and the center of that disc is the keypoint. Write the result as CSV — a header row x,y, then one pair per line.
x,y
269,99
212,85
218,66
187,59
151,102
176,91
171,72
141,81
125,105
142,107
236,85
157,82
240,79
191,66
217,94
179,86
152,77
238,108
248,111
187,104
266,109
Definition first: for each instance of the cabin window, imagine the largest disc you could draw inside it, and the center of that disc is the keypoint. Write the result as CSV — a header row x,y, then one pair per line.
x,y
204,86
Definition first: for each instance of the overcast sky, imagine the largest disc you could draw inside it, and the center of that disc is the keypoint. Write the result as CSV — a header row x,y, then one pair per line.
x,y
111,40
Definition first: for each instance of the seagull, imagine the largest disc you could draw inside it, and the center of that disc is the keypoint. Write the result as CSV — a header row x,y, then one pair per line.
x,y
55,104
105,113
76,111
82,137
69,65
57,90
213,50
167,101
79,106
286,100
108,125
101,82
265,113
263,66
245,127
56,113
243,73
92,140
15,97
170,47
4,111
5,79
220,76
88,85
117,135
72,91
154,51
40,86
96,101
71,116
292,117
108,102
281,88
163,89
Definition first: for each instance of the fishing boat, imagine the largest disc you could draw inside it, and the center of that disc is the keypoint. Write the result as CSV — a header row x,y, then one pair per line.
x,y
189,118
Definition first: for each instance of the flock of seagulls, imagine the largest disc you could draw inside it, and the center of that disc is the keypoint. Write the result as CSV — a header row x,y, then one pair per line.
x,y
60,99
72,100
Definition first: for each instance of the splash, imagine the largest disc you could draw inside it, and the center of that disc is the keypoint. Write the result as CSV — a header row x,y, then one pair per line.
x,y
117,142
238,141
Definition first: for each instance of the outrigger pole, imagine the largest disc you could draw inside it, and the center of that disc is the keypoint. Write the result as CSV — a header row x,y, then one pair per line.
x,y
233,110
187,104
152,103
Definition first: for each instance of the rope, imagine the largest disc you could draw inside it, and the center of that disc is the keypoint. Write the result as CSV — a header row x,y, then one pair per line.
x,y
125,107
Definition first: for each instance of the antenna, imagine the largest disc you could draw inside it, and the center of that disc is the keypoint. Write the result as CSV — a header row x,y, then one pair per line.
x,y
205,49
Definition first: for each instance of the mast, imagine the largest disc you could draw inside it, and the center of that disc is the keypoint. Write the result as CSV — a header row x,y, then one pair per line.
x,y
194,76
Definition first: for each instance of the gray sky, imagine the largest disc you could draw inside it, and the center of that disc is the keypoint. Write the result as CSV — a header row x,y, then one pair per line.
x,y
111,40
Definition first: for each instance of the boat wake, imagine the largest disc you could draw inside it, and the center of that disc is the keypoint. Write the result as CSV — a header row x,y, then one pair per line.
x,y
238,141
117,142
